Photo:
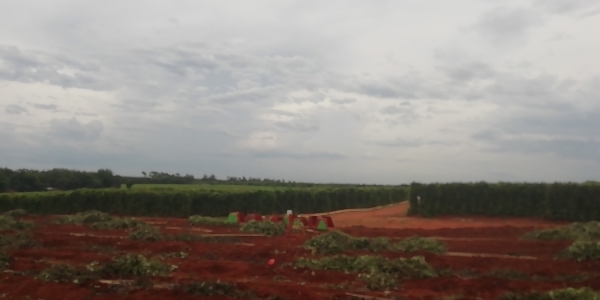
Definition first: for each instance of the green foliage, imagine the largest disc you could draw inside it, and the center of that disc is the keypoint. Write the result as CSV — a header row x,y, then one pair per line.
x,y
146,233
562,294
4,260
16,213
335,242
65,273
205,201
265,227
31,180
583,250
559,201
88,217
212,288
118,223
379,272
210,221
9,223
136,265
574,231
17,241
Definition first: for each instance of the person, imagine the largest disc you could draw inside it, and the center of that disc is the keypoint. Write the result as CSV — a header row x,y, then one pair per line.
x,y
419,200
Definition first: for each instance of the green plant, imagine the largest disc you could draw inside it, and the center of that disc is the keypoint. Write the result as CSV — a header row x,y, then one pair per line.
x,y
574,231
210,221
146,233
15,213
118,223
87,217
377,270
136,265
64,273
212,288
583,250
19,240
335,242
4,260
265,227
562,294
7,222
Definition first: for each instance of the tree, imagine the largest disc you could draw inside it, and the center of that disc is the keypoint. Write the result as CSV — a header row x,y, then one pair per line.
x,y
129,184
144,174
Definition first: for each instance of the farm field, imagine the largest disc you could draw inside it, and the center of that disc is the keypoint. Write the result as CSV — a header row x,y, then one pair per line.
x,y
485,258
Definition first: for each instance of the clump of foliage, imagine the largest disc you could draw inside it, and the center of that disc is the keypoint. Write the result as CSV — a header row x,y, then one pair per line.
x,y
7,222
583,250
136,265
210,221
4,260
265,227
65,273
146,233
118,223
335,242
562,294
19,240
379,272
212,288
88,217
16,213
574,231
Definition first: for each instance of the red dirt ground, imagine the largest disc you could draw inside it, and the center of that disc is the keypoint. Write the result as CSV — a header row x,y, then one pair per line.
x,y
246,264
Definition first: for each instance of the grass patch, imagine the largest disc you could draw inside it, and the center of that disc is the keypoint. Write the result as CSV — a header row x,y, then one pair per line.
x,y
100,220
574,231
151,234
63,273
212,288
136,265
210,221
379,272
562,294
265,227
118,223
335,242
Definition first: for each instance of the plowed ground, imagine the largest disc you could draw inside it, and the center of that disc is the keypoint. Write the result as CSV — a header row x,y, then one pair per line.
x,y
486,258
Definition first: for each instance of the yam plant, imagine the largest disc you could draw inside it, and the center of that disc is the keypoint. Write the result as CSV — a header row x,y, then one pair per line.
x,y
574,231
583,250
265,227
136,265
9,223
63,273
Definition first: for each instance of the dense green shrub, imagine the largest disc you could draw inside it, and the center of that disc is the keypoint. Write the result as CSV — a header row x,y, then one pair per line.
x,y
583,250
573,202
17,241
136,265
264,227
15,213
574,231
210,221
212,203
9,223
379,272
335,242
65,273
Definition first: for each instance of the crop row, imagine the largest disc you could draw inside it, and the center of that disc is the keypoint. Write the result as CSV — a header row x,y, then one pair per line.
x,y
202,202
558,201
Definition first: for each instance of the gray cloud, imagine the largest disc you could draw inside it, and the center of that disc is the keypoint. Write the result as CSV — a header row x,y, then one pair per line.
x,y
565,6
507,23
45,106
14,109
73,129
298,156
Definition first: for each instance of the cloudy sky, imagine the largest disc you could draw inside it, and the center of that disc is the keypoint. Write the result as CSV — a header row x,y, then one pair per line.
x,y
323,91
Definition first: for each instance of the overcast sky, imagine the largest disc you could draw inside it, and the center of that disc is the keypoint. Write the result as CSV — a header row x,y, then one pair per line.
x,y
323,91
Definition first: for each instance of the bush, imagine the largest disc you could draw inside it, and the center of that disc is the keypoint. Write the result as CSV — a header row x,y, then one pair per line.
x,y
4,260
16,213
118,223
87,217
210,221
562,294
335,242
583,250
17,241
146,233
64,273
380,272
265,227
574,231
136,265
9,223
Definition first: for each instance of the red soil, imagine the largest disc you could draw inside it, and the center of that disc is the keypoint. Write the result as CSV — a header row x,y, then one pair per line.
x,y
246,264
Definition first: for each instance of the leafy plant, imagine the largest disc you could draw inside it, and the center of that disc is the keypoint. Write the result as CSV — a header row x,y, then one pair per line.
x,y
19,240
4,260
378,271
583,250
212,288
562,294
574,231
15,213
136,265
64,273
87,217
265,227
146,233
7,222
335,242
210,221
118,223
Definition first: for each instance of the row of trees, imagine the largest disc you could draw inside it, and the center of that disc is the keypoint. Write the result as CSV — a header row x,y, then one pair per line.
x,y
25,180
559,201
202,202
